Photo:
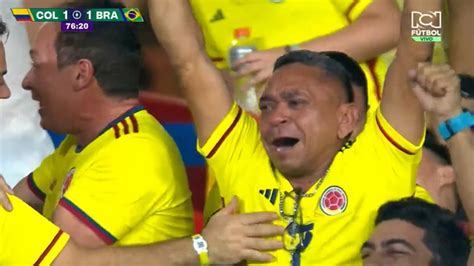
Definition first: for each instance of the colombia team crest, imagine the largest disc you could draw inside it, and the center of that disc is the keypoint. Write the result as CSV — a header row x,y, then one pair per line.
x,y
333,201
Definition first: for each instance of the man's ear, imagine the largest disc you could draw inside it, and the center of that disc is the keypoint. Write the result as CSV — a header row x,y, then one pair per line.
x,y
84,74
448,177
347,116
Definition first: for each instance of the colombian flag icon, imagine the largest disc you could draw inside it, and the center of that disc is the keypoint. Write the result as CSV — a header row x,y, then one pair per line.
x,y
133,14
22,14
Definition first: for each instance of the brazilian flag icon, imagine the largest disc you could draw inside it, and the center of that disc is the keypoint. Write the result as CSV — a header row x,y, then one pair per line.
x,y
133,14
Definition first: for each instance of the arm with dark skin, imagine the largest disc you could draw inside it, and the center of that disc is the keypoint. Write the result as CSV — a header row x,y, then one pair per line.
x,y
399,105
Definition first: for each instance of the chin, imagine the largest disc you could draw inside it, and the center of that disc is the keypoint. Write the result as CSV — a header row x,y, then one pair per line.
x,y
288,169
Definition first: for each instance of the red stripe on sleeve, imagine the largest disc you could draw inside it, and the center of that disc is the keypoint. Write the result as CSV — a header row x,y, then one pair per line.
x,y
227,132
349,10
391,140
91,224
48,248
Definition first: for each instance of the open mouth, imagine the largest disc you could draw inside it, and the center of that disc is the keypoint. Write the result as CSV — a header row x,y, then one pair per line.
x,y
285,142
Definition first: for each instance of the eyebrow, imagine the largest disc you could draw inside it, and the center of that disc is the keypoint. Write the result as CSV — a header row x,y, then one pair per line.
x,y
290,94
368,244
398,241
266,98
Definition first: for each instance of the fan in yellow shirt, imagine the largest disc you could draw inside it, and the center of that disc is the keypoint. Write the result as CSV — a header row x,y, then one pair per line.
x,y
128,185
297,160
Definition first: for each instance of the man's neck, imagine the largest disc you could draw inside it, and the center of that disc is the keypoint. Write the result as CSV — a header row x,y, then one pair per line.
x,y
305,182
93,122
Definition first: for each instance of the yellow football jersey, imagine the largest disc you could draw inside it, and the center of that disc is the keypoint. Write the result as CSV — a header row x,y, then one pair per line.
x,y
128,185
380,166
277,23
27,238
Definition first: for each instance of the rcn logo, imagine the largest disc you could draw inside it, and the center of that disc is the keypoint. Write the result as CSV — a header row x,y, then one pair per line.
x,y
420,20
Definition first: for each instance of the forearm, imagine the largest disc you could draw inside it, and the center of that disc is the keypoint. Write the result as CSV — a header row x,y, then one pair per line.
x,y
366,38
173,252
177,31
202,85
461,149
461,36
23,192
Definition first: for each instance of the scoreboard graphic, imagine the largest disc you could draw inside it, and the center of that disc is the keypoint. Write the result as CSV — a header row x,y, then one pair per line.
x,y
77,20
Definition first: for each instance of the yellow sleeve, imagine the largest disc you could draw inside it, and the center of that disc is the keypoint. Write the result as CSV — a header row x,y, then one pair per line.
x,y
231,146
399,145
42,179
27,238
116,193
352,9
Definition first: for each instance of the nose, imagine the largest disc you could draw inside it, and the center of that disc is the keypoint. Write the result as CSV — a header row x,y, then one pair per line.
x,y
279,115
4,92
26,83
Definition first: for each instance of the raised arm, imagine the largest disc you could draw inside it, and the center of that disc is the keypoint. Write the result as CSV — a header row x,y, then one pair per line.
x,y
208,98
461,36
399,105
443,98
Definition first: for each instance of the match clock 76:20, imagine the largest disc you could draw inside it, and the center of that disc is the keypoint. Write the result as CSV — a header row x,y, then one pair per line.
x,y
74,26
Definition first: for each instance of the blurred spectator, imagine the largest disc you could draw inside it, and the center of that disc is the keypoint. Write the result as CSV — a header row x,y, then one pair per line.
x,y
362,29
23,143
412,232
115,147
437,175
443,99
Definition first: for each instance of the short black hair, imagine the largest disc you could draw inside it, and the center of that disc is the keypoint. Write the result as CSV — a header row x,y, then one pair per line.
x,y
356,74
443,235
318,60
112,47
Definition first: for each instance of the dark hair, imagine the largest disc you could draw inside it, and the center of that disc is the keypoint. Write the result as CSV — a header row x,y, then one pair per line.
x,y
113,49
443,235
356,74
318,60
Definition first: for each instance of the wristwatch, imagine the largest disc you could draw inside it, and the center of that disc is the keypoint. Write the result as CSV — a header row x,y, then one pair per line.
x,y
454,125
200,246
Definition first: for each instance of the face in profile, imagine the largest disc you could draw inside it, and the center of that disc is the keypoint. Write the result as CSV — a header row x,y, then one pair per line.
x,y
50,85
4,90
396,243
303,118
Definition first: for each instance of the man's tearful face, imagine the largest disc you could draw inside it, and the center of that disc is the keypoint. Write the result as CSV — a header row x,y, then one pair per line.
x,y
298,118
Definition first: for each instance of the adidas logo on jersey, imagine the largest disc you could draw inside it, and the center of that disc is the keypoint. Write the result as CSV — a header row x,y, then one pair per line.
x,y
269,194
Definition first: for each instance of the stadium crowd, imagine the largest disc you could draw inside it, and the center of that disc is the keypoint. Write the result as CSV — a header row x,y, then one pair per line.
x,y
349,158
